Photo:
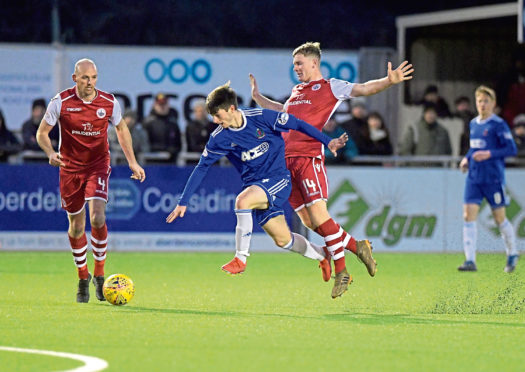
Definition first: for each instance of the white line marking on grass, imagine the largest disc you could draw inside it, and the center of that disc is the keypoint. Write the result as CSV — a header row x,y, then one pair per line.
x,y
92,364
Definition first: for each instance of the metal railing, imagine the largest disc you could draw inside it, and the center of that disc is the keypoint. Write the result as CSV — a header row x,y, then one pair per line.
x,y
394,161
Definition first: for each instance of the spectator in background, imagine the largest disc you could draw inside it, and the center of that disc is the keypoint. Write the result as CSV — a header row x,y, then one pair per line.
x,y
464,112
9,144
426,137
511,92
344,155
199,129
30,126
431,96
519,134
356,127
139,135
378,140
163,128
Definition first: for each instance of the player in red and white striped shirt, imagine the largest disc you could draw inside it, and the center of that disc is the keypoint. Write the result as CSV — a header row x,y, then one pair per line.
x,y
83,114
314,100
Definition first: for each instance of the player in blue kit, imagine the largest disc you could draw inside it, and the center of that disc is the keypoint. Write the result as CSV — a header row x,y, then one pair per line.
x,y
490,142
252,140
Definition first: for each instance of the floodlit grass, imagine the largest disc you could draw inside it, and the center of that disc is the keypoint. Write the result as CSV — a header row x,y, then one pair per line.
x,y
418,313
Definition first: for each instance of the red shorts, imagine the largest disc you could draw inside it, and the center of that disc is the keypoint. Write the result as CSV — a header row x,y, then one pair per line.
x,y
76,188
309,181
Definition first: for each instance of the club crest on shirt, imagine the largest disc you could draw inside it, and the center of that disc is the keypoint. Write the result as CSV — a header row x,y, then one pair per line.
x,y
101,113
485,133
260,134
316,87
283,118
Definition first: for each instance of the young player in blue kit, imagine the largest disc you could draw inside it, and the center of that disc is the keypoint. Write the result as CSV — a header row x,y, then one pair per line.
x,y
252,140
490,142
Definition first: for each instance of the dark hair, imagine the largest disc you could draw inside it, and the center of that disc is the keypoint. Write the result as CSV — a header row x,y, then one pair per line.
x,y
431,89
222,97
429,106
461,99
377,115
39,102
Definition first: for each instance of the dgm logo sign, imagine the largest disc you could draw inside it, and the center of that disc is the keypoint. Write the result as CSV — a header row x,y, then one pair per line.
x,y
390,227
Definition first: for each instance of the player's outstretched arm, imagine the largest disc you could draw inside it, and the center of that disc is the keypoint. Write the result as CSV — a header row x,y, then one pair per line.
x,y
400,74
179,211
261,100
42,137
125,141
337,143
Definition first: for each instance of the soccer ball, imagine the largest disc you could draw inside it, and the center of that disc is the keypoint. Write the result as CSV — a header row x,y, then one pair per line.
x,y
118,289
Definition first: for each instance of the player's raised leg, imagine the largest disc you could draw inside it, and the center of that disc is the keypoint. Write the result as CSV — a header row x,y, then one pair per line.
x,y
361,248
78,242
277,228
325,226
99,242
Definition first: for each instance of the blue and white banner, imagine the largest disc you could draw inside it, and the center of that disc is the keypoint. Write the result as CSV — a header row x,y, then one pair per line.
x,y
401,209
31,216
136,74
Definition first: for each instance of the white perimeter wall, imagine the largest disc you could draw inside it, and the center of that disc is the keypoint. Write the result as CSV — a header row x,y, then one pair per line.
x,y
399,210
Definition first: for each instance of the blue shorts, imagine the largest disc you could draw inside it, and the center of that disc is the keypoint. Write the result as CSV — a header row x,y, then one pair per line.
x,y
493,192
277,191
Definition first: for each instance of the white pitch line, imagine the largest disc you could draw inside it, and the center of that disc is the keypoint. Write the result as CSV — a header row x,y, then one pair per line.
x,y
91,364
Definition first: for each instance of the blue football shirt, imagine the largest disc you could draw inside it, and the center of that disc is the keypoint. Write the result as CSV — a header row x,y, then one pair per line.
x,y
256,148
491,134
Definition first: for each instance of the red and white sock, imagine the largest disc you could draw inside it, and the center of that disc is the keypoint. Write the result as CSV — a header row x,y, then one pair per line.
x,y
99,244
79,249
348,240
331,233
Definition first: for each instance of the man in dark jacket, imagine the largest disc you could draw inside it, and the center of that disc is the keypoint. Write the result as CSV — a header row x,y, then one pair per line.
x,y
163,128
30,127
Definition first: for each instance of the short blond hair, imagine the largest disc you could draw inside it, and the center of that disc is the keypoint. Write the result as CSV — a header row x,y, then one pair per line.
x,y
309,49
483,89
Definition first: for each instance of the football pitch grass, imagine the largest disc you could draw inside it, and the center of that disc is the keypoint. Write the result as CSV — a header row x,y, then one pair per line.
x,y
417,314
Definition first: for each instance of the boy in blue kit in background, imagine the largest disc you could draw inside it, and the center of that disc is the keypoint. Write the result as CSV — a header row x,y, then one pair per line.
x,y
252,140
490,142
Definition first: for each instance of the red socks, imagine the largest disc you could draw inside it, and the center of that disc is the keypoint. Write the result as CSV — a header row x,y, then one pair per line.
x,y
331,232
99,243
348,241
79,249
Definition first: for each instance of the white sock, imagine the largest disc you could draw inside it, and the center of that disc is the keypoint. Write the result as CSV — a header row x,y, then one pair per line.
x,y
509,238
243,233
299,244
319,249
470,233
